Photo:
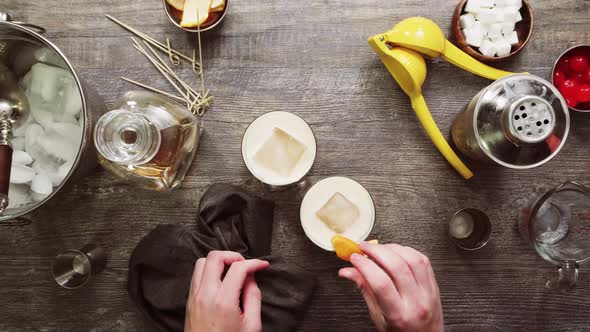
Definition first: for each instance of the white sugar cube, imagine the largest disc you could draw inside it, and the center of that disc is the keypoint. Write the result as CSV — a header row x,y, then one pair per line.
x,y
511,38
511,14
507,27
21,157
338,213
486,3
466,20
473,37
502,47
504,3
18,143
495,30
488,48
280,152
473,6
518,17
514,3
20,174
486,16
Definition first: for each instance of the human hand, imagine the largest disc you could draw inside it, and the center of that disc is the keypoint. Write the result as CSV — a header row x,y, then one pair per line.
x,y
214,304
399,287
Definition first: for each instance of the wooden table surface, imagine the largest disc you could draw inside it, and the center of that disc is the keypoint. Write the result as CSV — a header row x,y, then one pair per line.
x,y
310,58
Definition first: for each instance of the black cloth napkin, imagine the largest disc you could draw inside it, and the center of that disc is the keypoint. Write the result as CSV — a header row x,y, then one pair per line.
x,y
161,266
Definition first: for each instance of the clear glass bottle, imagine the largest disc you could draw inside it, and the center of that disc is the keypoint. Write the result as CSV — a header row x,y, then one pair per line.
x,y
148,140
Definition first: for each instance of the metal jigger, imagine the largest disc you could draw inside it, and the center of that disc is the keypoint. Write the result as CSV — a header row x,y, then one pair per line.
x,y
14,108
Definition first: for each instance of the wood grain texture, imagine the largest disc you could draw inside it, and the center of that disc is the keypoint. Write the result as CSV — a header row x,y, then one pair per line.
x,y
310,58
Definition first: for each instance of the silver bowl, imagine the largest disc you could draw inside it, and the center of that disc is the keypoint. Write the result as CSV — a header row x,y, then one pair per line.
x,y
559,58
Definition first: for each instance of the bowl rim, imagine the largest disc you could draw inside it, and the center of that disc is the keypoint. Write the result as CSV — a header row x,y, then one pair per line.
x,y
459,9
194,30
559,58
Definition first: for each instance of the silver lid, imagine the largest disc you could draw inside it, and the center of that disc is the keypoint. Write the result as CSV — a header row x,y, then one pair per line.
x,y
521,121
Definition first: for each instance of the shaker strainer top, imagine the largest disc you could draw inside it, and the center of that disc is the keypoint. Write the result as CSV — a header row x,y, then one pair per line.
x,y
521,121
531,119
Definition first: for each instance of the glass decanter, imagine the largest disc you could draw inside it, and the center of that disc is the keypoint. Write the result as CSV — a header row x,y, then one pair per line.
x,y
148,140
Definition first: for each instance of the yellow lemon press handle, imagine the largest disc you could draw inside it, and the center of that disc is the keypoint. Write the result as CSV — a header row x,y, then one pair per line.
x,y
464,61
421,109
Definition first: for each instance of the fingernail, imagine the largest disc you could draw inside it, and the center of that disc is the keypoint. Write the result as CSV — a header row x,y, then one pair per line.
x,y
343,274
355,257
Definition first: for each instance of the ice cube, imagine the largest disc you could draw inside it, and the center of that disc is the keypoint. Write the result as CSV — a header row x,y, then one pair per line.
x,y
18,143
71,102
47,81
67,130
51,170
63,171
25,82
21,158
20,174
33,132
47,56
488,48
66,118
19,195
52,149
43,117
338,213
21,130
466,20
280,152
41,184
507,28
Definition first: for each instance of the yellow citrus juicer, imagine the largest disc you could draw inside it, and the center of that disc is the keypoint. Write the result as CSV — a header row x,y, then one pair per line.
x,y
408,68
424,36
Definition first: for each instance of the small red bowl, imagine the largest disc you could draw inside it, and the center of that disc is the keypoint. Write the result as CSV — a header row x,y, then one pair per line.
x,y
583,49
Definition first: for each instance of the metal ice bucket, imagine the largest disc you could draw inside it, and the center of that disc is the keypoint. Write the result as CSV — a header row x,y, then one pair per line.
x,y
19,42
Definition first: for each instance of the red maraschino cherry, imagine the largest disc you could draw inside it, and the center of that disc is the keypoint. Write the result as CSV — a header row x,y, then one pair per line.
x,y
578,63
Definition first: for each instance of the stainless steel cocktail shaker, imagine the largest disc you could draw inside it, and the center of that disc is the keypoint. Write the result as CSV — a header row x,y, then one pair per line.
x,y
520,122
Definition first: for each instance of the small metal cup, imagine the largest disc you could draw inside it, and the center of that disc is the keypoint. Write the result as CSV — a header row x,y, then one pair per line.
x,y
177,24
73,268
470,229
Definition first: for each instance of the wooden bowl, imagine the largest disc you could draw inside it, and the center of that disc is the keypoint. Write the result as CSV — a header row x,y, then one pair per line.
x,y
174,15
524,30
